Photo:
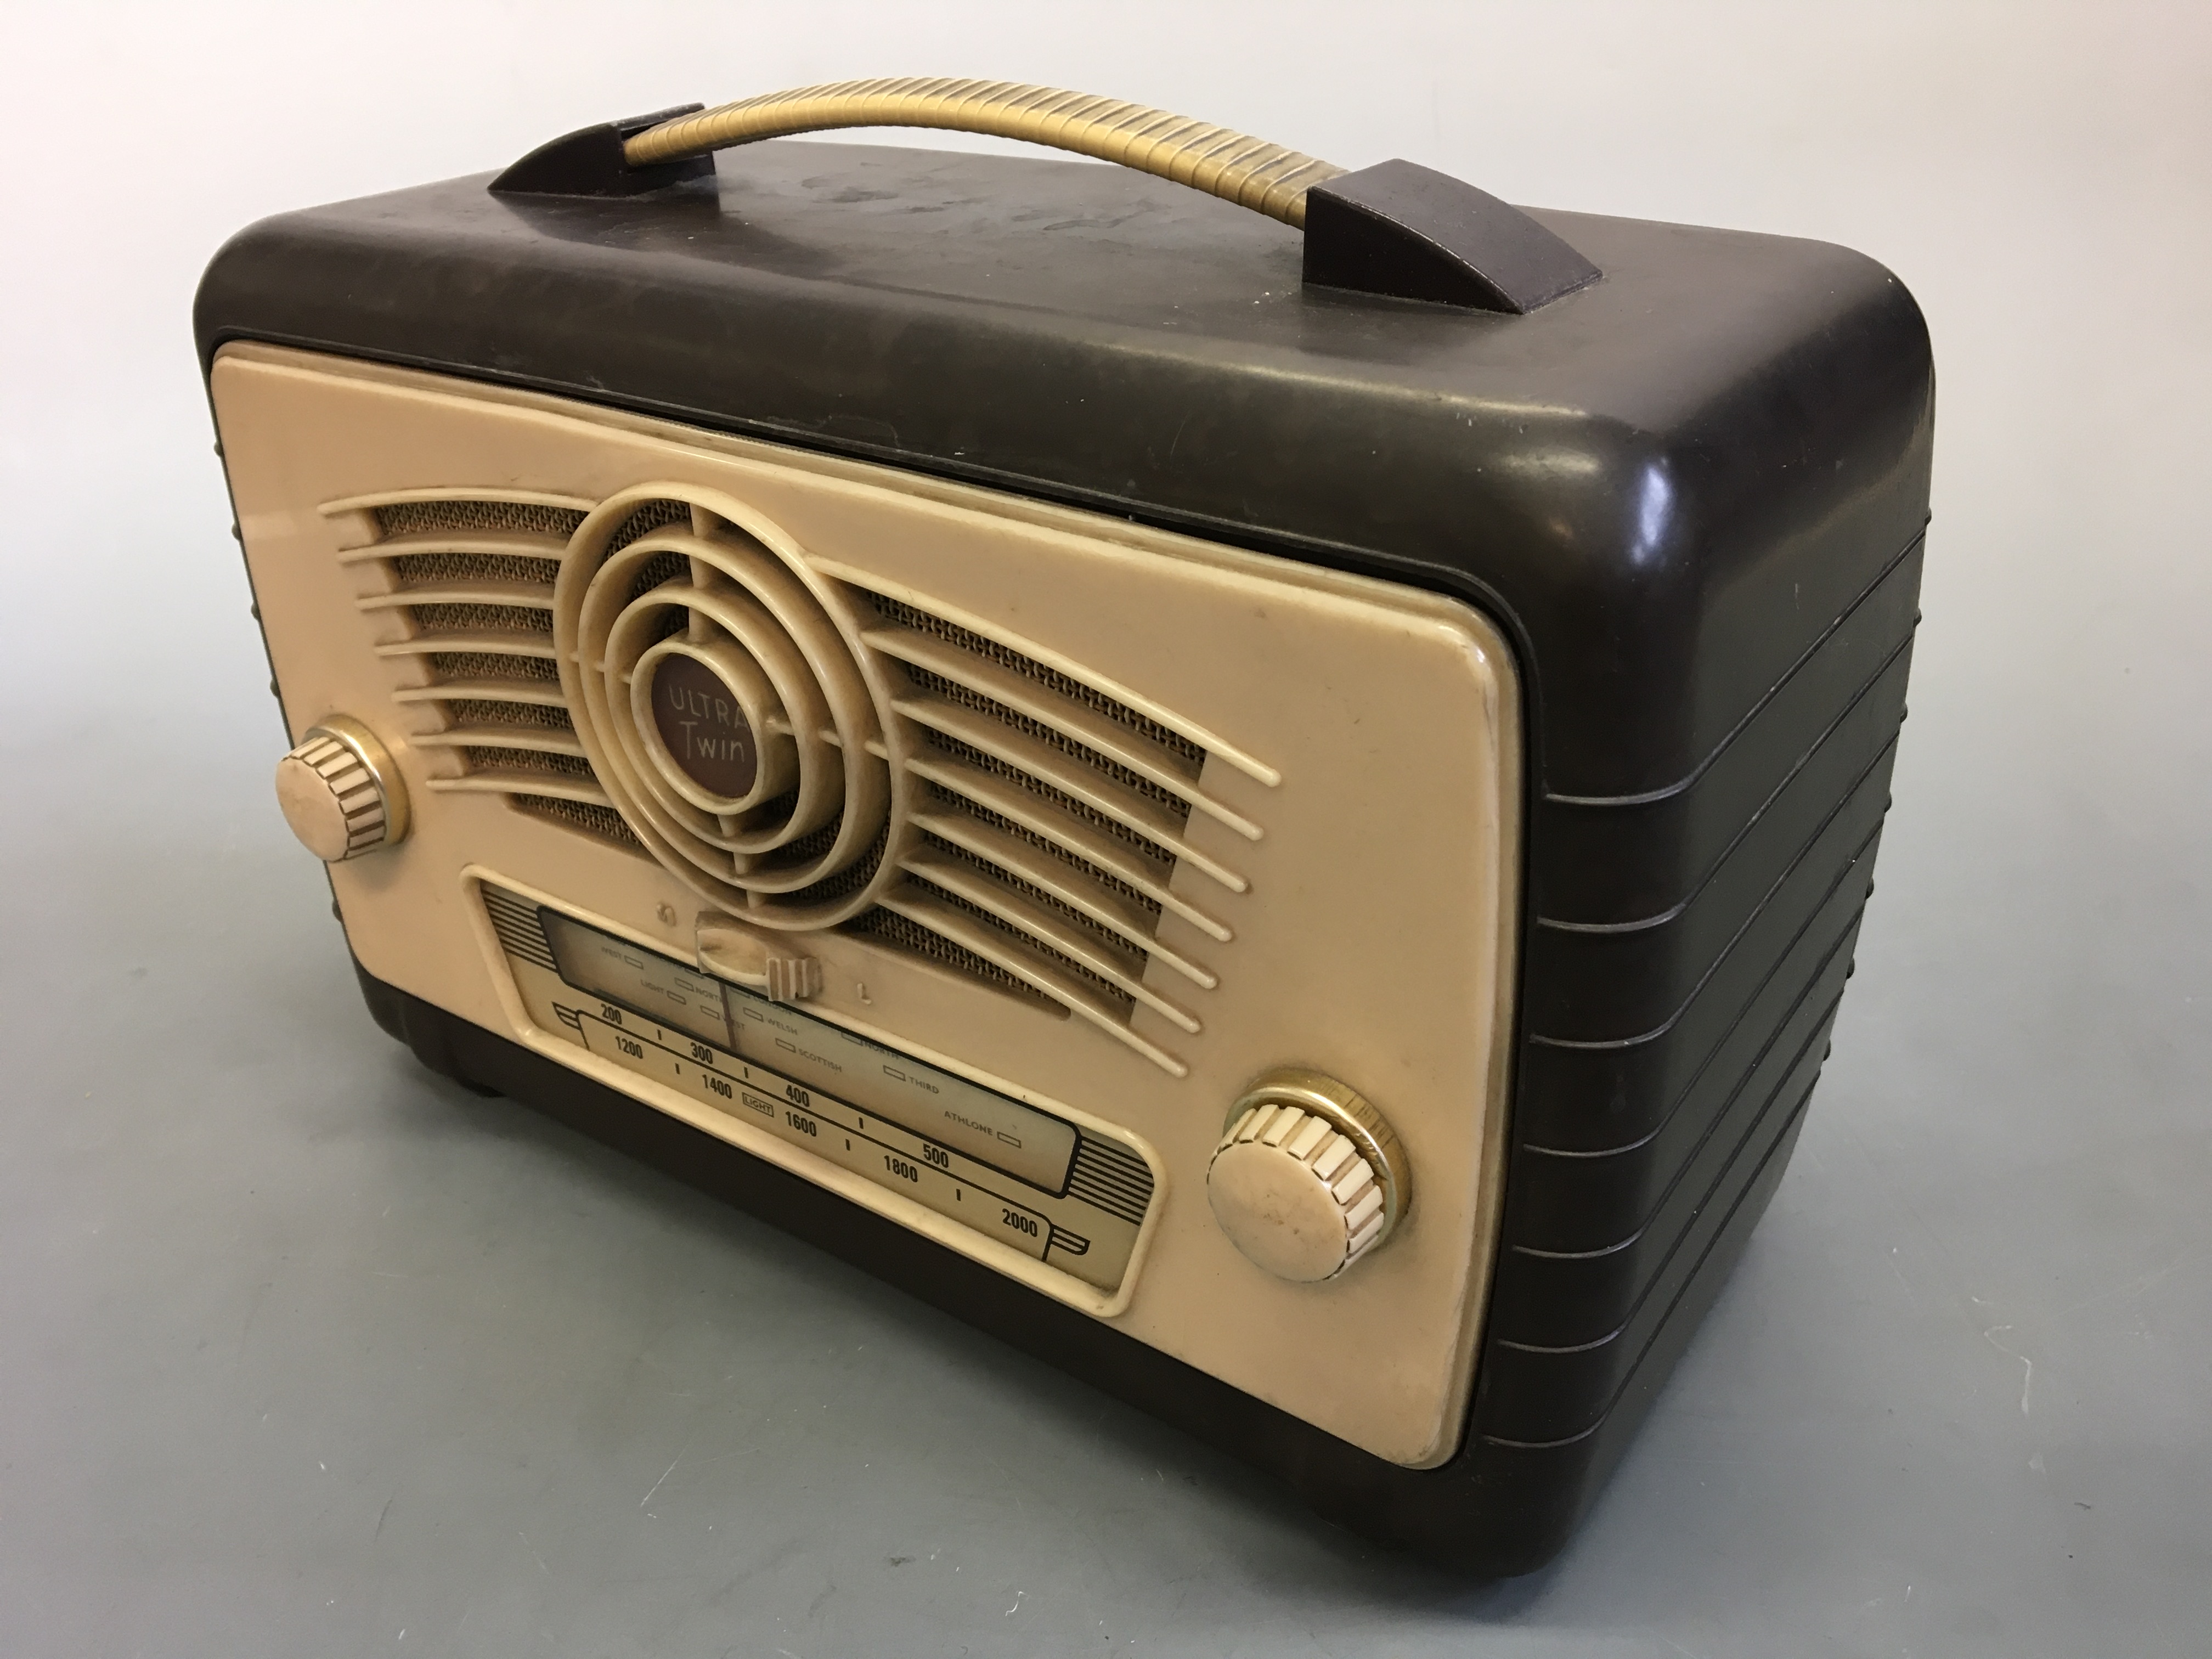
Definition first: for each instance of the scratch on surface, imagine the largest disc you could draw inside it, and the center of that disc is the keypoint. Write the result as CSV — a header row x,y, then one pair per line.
x,y
2133,1288
1009,1613
253,1311
1177,442
380,1514
657,1485
2027,1377
1902,1284
532,1548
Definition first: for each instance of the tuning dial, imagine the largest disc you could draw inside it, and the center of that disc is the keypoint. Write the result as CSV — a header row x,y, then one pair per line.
x,y
1307,1177
340,791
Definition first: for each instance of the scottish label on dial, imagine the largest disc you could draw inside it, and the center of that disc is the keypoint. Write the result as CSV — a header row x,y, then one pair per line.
x,y
1001,1169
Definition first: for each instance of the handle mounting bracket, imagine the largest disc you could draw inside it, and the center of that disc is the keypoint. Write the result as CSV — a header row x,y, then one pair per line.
x,y
1396,229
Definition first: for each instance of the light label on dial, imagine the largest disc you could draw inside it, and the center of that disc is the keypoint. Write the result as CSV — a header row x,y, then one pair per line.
x,y
1021,1177
644,980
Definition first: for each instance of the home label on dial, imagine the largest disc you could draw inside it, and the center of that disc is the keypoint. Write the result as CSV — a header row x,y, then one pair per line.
x,y
1016,1174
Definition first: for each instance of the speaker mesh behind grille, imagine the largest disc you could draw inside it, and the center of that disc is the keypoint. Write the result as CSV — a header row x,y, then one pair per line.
x,y
495,583
891,929
903,615
482,619
601,821
1053,817
1134,840
945,800
431,569
1011,881
425,517
484,711
487,758
463,666
1173,805
1103,938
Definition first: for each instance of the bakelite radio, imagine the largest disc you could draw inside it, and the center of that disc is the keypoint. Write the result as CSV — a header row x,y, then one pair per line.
x,y
1271,805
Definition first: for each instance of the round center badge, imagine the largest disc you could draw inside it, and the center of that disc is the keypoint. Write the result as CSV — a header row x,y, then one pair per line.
x,y
704,727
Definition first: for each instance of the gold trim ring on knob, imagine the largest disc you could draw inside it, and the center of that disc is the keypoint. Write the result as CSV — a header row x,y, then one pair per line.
x,y
1349,1113
340,792
1309,1178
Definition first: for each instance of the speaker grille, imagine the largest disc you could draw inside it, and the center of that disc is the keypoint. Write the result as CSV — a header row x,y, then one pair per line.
x,y
898,614
470,580
923,787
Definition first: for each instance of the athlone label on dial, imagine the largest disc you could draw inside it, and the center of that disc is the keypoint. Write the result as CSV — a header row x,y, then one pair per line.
x,y
704,727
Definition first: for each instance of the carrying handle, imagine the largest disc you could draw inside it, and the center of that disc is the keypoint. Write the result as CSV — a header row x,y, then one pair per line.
x,y
1396,230
1249,172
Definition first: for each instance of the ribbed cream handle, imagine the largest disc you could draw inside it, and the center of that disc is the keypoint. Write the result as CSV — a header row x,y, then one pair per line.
x,y
1249,172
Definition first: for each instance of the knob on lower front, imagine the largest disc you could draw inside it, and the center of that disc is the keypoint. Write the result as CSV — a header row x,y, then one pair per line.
x,y
1307,1177
340,791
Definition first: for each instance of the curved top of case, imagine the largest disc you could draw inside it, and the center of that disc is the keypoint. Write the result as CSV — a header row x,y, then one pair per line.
x,y
1664,484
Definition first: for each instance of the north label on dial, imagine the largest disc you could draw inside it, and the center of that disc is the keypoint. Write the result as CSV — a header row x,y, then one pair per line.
x,y
704,727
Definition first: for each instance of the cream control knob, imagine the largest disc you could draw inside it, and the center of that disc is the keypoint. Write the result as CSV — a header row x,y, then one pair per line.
x,y
340,791
1307,1177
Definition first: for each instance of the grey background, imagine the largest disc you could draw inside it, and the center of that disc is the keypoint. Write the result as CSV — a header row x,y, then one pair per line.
x,y
304,1351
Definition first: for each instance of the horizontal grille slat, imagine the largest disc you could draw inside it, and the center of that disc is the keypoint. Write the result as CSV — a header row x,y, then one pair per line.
x,y
1175,806
1132,919
1113,963
996,799
486,675
594,817
505,593
1028,758
518,781
513,700
971,645
538,740
1068,882
1117,1182
1028,962
472,579
993,935
479,643
948,758
912,937
509,548
1170,770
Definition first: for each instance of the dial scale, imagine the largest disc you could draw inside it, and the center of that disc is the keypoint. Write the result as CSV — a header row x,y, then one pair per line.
x,y
1034,1182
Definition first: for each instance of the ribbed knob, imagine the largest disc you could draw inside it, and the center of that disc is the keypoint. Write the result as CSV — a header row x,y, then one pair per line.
x,y
1308,1178
340,791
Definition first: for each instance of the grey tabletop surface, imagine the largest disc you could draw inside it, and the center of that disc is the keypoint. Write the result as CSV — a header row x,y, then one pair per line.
x,y
303,1351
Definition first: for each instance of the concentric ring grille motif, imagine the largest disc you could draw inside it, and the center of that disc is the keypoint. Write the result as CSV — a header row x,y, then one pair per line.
x,y
710,631
664,669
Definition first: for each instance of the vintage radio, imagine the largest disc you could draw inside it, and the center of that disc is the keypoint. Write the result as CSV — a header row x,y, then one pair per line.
x,y
1271,806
